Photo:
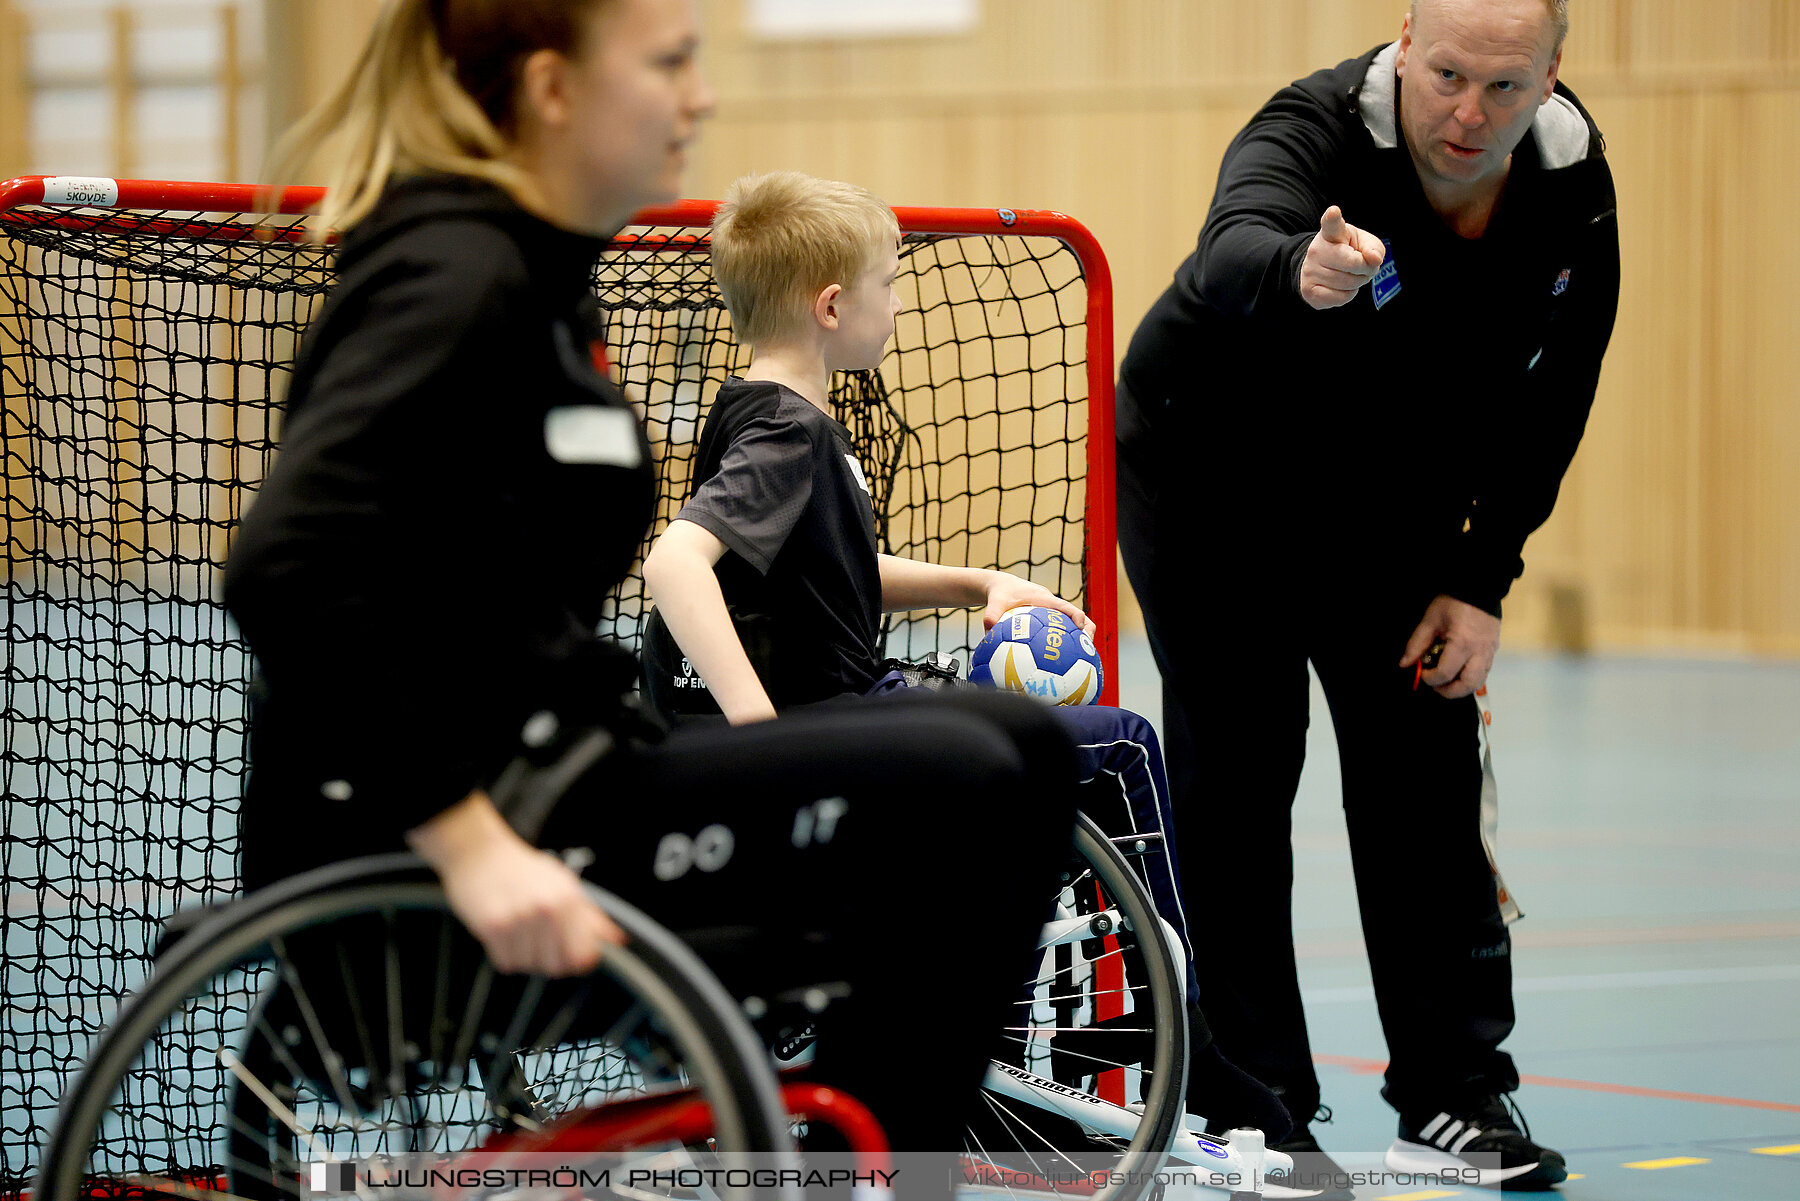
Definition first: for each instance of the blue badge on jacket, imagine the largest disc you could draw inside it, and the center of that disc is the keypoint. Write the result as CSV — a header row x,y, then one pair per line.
x,y
1386,284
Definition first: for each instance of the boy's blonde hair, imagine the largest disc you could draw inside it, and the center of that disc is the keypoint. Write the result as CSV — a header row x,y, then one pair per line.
x,y
780,239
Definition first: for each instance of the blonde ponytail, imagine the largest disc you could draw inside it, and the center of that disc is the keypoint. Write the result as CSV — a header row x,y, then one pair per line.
x,y
403,110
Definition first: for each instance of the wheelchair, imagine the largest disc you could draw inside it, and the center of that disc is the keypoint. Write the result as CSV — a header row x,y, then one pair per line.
x,y
1097,1062
344,1015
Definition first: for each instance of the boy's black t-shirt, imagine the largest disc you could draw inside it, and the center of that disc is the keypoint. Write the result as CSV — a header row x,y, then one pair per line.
x,y
778,482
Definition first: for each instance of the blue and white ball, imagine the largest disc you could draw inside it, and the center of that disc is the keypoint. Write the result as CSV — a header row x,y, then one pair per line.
x,y
1041,653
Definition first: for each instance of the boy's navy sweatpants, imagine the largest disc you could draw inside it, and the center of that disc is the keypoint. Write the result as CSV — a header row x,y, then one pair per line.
x,y
1126,791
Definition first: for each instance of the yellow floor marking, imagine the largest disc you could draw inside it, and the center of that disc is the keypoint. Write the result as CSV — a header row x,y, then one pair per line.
x,y
1790,1149
1678,1161
1576,1176
1423,1195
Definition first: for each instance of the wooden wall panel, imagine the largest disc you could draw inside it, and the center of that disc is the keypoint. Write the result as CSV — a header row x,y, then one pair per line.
x,y
16,499
1679,516
310,46
1677,524
15,95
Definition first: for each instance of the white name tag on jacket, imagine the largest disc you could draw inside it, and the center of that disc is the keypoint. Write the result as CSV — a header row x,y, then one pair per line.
x,y
592,434
857,471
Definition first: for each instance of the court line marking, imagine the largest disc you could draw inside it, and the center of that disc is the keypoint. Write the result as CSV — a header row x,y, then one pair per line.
x,y
1790,1149
1585,983
1674,1161
1368,1067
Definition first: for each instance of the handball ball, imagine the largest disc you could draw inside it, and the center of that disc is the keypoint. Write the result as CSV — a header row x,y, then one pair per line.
x,y
1041,653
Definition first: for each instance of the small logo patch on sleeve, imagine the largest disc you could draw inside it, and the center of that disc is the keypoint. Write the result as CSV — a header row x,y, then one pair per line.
x,y
857,471
592,434
1562,283
1386,284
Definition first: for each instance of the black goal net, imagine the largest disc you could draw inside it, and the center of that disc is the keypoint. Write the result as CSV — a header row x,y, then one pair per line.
x,y
143,356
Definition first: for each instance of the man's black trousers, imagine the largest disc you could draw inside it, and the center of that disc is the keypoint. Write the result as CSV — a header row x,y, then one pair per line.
x,y
1235,609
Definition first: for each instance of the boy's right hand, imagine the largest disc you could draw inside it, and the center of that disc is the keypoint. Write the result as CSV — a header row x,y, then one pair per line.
x,y
755,711
526,908
678,572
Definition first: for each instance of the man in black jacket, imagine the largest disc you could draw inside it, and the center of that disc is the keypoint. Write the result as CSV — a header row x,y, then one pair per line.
x,y
1336,430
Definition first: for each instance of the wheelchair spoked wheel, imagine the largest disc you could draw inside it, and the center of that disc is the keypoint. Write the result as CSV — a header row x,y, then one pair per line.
x,y
345,1015
1091,1091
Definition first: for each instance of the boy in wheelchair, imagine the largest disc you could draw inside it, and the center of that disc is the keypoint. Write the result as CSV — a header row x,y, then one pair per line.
x,y
770,584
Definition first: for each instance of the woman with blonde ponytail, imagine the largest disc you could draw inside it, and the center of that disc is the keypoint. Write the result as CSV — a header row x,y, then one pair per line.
x,y
460,487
